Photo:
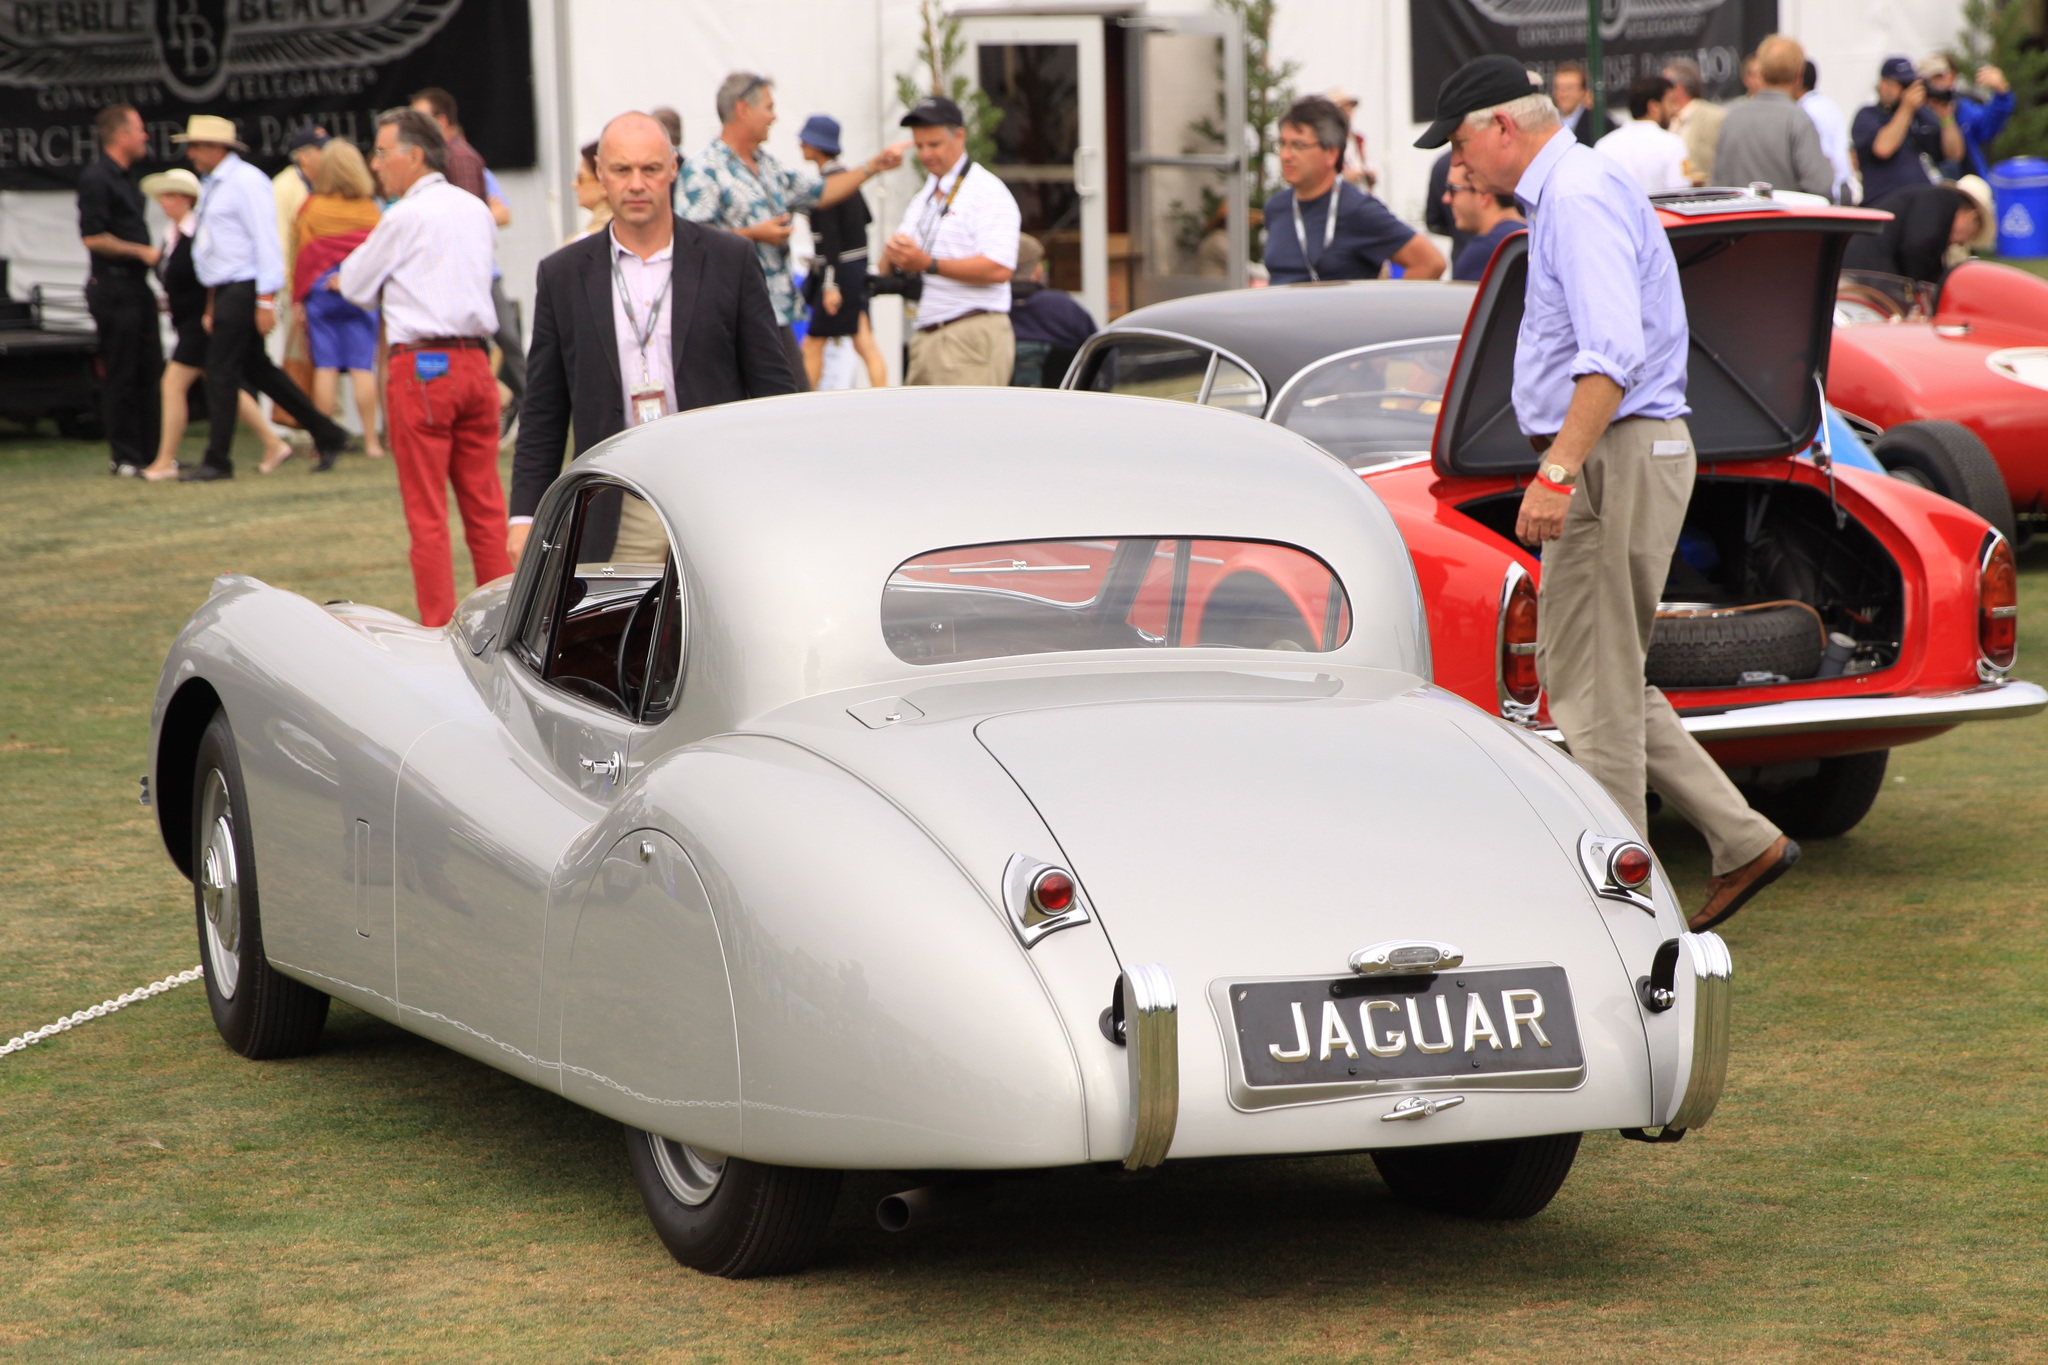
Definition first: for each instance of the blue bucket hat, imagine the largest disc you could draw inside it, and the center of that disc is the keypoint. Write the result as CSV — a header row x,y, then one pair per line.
x,y
821,131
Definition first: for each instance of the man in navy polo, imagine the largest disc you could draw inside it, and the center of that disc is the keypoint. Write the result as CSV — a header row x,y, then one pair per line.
x,y
1306,239
1599,390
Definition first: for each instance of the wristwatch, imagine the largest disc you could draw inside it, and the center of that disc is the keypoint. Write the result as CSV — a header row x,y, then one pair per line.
x,y
933,268
1559,475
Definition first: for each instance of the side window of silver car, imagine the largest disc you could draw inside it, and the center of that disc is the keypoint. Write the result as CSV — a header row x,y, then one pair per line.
x,y
606,624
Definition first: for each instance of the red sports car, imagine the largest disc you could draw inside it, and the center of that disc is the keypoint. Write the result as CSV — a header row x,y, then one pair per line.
x,y
1816,616
1950,385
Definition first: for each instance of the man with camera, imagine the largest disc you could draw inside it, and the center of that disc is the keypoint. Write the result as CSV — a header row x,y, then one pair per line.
x,y
1979,119
1891,136
953,256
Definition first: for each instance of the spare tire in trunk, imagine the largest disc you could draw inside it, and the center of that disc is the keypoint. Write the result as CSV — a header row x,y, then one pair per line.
x,y
1702,645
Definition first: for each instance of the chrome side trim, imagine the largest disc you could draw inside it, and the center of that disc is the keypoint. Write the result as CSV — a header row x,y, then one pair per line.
x,y
1712,970
1027,921
1596,860
1111,334
1152,1050
2011,700
1512,711
1294,380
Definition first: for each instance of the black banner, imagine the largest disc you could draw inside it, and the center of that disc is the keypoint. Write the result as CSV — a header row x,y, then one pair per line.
x,y
271,65
1638,37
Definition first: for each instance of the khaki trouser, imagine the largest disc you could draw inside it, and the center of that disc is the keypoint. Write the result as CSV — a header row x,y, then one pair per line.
x,y
641,539
1601,582
977,350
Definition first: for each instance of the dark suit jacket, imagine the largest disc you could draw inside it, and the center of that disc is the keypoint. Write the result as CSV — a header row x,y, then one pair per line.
x,y
723,334
1589,132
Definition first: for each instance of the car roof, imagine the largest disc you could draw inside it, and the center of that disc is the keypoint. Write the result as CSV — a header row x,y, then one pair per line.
x,y
792,512
1280,329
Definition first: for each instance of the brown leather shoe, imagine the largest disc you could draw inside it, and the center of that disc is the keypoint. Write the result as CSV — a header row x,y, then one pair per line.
x,y
1729,893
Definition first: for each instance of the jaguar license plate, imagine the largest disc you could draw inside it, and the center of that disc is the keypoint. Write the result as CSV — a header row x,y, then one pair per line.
x,y
1356,1031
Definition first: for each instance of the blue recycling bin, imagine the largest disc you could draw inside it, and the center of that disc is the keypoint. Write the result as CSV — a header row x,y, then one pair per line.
x,y
2019,190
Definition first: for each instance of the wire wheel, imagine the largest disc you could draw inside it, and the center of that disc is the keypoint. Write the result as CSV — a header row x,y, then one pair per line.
x,y
690,1175
220,887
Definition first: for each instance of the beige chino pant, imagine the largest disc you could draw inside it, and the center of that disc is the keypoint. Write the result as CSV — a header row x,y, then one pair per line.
x,y
977,350
1600,585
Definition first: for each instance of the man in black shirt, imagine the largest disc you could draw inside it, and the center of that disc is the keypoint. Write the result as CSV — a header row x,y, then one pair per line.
x,y
111,224
1926,221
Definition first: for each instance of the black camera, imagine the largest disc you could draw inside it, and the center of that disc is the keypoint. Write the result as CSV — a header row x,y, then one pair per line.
x,y
1935,95
903,282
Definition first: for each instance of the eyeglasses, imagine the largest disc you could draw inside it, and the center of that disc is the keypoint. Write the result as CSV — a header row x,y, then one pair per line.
x,y
1292,144
1459,189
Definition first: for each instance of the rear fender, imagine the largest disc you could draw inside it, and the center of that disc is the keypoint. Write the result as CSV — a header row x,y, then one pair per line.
x,y
886,1017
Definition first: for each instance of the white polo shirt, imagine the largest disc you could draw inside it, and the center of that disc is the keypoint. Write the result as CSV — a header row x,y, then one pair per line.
x,y
1654,157
982,220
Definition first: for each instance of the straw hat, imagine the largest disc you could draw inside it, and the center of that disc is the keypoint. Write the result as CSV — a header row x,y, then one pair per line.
x,y
1987,217
178,181
211,128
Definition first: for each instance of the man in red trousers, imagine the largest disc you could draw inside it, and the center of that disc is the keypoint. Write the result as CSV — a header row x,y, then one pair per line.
x,y
427,265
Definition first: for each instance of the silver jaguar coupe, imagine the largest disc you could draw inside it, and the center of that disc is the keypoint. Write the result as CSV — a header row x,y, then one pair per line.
x,y
932,781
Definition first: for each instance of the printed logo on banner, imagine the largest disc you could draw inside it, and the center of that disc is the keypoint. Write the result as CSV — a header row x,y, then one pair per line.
x,y
1616,16
195,46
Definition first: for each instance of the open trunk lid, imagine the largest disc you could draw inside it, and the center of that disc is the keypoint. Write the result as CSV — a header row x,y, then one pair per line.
x,y
1759,284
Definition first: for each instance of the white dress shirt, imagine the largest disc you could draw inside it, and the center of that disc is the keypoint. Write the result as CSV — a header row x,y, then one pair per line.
x,y
643,280
1653,156
237,238
427,264
1833,127
982,221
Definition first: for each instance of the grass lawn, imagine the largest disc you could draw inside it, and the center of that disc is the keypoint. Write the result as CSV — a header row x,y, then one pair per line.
x,y
1871,1189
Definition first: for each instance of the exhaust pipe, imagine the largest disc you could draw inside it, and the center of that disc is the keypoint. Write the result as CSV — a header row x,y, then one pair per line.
x,y
928,1204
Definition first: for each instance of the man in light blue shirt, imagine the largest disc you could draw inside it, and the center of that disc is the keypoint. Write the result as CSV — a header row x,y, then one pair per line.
x,y
236,255
1599,389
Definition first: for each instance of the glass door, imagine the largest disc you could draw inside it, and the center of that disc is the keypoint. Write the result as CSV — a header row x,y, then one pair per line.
x,y
1044,75
1185,119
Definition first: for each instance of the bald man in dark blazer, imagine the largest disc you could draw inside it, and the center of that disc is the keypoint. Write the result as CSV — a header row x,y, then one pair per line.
x,y
723,341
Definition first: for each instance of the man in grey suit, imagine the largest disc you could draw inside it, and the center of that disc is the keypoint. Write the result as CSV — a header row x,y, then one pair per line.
x,y
652,316
1768,137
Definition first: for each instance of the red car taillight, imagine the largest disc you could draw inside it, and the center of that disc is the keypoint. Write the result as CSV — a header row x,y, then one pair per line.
x,y
1998,604
1518,641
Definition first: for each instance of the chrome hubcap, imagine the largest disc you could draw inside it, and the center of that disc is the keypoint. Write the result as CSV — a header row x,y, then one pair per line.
x,y
220,888
690,1175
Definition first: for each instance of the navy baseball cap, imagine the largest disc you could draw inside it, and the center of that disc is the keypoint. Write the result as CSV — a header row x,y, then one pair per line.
x,y
821,131
1480,83
1898,69
306,136
934,111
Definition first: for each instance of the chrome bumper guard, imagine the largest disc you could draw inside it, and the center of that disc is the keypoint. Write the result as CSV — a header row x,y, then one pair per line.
x,y
1712,971
1999,701
1152,1050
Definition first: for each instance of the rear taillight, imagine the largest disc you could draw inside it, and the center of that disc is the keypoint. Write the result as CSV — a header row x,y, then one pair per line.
x,y
1052,892
1630,866
1998,604
1517,664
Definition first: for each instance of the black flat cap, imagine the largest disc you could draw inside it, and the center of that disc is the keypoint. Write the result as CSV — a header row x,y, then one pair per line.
x,y
934,111
1480,83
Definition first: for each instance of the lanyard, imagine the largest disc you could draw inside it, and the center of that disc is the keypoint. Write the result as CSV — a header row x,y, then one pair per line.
x,y
1329,227
641,336
931,222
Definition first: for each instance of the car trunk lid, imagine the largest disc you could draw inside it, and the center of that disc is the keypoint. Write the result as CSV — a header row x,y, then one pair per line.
x,y
1759,285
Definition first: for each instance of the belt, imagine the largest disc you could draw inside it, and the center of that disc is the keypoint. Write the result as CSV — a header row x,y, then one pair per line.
x,y
1543,443
971,313
441,344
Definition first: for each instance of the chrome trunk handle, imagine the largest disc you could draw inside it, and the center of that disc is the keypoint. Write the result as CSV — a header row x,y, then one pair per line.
x,y
604,767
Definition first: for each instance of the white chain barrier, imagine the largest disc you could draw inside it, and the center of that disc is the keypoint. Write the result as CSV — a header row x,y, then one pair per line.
x,y
101,1010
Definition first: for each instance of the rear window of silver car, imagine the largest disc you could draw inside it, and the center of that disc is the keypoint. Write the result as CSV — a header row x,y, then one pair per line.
x,y
1371,406
1134,592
